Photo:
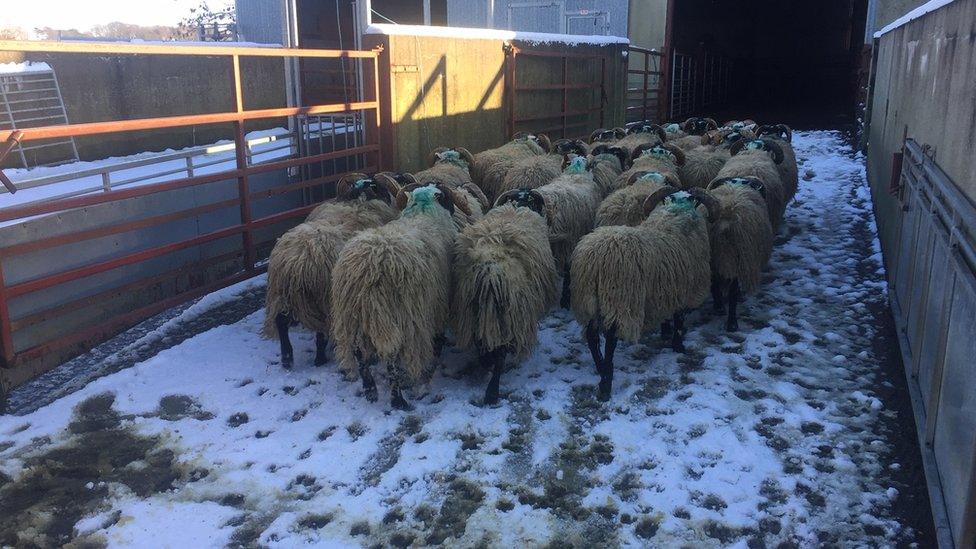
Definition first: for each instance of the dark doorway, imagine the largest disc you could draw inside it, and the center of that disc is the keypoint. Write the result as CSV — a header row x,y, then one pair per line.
x,y
786,60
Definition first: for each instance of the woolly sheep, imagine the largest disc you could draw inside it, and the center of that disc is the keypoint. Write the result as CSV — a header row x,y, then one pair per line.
x,y
694,128
642,133
504,282
391,290
451,166
489,167
532,172
665,159
742,241
302,260
758,158
608,163
626,206
626,280
703,163
788,169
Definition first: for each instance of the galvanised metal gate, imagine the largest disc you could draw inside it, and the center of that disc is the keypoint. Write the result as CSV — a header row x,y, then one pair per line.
x,y
645,82
933,296
76,270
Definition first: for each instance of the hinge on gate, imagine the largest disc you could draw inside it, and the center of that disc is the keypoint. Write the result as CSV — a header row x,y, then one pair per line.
x,y
5,149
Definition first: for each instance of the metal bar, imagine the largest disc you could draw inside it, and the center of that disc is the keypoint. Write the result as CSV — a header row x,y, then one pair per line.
x,y
64,112
240,150
512,85
116,48
557,87
647,68
13,140
30,91
6,332
95,128
537,53
603,91
109,230
565,75
558,115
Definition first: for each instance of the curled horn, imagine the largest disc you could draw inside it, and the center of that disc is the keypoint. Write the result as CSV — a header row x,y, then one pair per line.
x,y
652,201
737,146
679,155
753,182
388,182
505,197
661,134
712,123
639,150
346,183
465,154
619,133
433,156
596,134
686,125
543,141
401,197
772,146
786,130
709,201
455,197
478,194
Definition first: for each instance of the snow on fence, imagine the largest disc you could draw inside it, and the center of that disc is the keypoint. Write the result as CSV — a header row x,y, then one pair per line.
x,y
77,269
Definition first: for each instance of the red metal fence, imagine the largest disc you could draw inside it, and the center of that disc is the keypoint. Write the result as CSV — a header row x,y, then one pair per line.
x,y
568,121
12,353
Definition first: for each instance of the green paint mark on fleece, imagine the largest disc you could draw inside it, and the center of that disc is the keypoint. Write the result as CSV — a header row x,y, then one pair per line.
x,y
422,201
576,165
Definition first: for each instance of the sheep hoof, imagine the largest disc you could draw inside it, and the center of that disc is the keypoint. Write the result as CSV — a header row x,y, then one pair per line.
x,y
287,362
678,347
603,395
400,403
491,399
320,360
371,394
732,326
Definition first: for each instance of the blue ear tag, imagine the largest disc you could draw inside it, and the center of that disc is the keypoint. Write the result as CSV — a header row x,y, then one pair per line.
x,y
576,165
656,177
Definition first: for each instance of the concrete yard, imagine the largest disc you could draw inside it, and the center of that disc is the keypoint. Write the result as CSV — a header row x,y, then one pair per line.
x,y
794,432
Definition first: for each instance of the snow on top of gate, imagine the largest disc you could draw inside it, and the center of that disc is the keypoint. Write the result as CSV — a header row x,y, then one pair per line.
x,y
916,13
492,34
26,66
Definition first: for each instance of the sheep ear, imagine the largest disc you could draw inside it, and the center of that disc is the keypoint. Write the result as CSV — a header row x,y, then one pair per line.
x,y
652,201
435,154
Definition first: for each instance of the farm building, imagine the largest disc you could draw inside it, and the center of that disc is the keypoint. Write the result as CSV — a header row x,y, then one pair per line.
x,y
145,185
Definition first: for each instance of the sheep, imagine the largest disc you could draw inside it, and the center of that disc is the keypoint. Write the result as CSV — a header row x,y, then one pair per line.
x,y
607,136
746,124
504,282
665,159
577,147
758,158
788,169
693,128
673,131
302,260
451,166
532,172
741,239
625,206
640,134
703,163
489,167
572,199
391,290
628,279
608,163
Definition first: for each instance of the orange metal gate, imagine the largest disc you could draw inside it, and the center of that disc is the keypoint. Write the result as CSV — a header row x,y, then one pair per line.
x,y
15,354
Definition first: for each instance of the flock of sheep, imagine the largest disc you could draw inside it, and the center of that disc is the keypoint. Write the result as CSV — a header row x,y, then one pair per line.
x,y
641,224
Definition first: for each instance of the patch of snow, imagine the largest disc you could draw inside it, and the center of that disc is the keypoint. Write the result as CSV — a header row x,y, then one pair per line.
x,y
916,13
492,34
26,66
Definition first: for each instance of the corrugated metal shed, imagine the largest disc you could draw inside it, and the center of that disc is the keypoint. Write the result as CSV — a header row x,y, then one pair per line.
x,y
601,17
261,21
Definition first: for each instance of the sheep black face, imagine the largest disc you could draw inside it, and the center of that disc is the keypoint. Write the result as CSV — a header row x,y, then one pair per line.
x,y
442,193
699,126
647,127
568,146
603,135
382,186
616,151
682,200
666,150
779,131
456,155
524,198
769,145
750,182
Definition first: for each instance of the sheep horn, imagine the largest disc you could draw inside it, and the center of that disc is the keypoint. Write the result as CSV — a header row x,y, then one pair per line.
x,y
543,141
596,134
786,129
619,133
711,122
656,197
686,125
772,146
639,150
388,182
465,154
403,195
737,146
434,155
346,183
709,201
661,134
520,135
679,155
505,197
456,198
478,194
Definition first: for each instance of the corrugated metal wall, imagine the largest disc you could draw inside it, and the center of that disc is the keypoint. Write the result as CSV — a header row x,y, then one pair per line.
x,y
600,17
261,21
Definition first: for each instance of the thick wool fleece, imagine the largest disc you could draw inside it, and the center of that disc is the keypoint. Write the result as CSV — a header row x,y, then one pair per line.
x,y
301,262
758,164
788,170
701,166
742,237
626,206
504,281
491,166
606,168
390,291
455,173
572,200
633,278
631,141
649,163
532,172
687,143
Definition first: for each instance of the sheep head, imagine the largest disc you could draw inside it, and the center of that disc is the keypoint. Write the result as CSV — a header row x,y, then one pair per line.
x,y
576,164
614,151
647,127
417,197
780,131
767,144
665,150
382,186
698,126
542,140
605,136
691,198
524,198
668,179
454,155
750,182
570,146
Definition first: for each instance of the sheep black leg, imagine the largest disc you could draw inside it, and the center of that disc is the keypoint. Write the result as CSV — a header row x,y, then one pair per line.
x,y
369,384
718,301
678,335
439,341
396,394
282,322
320,345
732,324
667,330
565,301
606,373
496,359
592,334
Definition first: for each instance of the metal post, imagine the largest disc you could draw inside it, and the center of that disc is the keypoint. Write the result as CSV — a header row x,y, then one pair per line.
x,y
510,65
603,89
378,137
565,93
13,125
106,181
240,148
6,337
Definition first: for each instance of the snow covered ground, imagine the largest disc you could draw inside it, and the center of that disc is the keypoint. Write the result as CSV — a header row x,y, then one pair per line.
x,y
779,435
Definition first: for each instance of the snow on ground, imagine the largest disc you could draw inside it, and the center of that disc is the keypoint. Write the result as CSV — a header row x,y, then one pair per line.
x,y
26,66
770,435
